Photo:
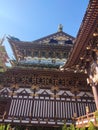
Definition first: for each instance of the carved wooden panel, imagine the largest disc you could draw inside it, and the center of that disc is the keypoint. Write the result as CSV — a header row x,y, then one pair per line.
x,y
42,78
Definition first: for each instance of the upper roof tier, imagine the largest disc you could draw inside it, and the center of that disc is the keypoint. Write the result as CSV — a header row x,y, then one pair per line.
x,y
51,50
85,49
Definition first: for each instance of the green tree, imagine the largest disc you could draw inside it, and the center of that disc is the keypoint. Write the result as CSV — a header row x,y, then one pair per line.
x,y
8,126
64,127
96,115
68,128
91,126
82,128
2,126
77,128
72,127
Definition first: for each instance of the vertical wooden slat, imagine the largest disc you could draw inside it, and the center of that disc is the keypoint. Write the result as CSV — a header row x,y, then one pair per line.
x,y
53,109
56,109
27,108
33,112
25,111
66,109
11,106
46,108
43,110
85,105
78,106
24,103
60,107
18,107
50,109
29,105
83,109
22,107
75,105
63,109
57,113
32,107
49,104
91,107
72,109
15,108
38,109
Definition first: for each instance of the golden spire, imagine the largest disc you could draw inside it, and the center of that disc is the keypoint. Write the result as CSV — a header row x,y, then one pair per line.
x,y
60,28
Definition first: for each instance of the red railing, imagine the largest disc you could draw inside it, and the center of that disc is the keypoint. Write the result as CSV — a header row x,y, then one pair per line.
x,y
84,120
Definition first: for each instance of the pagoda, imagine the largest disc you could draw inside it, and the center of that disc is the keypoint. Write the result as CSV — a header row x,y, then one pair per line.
x,y
36,90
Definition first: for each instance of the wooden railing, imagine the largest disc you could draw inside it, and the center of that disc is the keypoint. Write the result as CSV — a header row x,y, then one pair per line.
x,y
84,120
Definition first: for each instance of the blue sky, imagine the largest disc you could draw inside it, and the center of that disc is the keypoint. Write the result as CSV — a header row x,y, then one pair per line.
x,y
29,20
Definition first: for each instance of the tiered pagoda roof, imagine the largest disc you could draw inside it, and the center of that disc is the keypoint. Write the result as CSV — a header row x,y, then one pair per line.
x,y
48,52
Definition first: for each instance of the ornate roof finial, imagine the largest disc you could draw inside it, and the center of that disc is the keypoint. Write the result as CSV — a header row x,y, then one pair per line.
x,y
60,28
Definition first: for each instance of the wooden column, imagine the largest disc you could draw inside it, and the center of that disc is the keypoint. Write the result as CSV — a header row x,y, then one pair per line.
x,y
93,83
93,80
95,93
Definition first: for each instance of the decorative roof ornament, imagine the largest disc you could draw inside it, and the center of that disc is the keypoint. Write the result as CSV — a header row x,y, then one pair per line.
x,y
60,28
13,38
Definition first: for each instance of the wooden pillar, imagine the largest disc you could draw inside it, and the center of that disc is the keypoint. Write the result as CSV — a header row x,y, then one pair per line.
x,y
94,89
93,80
95,93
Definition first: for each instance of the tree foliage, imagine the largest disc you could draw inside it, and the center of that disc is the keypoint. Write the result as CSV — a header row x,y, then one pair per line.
x,y
77,128
64,127
91,126
2,126
72,127
82,128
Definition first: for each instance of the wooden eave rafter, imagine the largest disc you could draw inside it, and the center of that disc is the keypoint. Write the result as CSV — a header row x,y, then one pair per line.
x,y
89,24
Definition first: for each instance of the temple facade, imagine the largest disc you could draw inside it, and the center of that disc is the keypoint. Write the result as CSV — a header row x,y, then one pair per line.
x,y
47,83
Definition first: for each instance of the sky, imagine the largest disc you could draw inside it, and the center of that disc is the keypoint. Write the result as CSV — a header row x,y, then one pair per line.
x,y
29,20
